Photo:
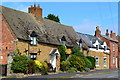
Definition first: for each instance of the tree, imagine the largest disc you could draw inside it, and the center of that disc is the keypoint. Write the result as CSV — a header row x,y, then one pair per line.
x,y
53,17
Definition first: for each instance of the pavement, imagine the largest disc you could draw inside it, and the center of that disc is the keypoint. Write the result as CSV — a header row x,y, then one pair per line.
x,y
109,72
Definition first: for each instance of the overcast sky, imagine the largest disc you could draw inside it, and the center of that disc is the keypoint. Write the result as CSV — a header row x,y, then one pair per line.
x,y
83,16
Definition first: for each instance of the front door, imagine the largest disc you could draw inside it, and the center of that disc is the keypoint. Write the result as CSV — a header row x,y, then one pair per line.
x,y
53,61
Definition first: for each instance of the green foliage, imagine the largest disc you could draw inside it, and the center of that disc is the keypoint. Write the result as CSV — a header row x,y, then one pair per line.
x,y
77,62
53,17
62,50
38,64
20,64
72,70
44,70
92,59
75,49
18,52
32,67
88,63
65,65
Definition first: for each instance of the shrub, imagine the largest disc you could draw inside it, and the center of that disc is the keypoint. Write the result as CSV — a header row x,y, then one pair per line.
x,y
38,64
62,50
72,69
65,65
44,70
75,49
92,59
88,63
20,64
31,68
77,62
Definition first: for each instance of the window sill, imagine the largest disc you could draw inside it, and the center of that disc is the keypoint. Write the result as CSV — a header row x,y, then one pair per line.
x,y
97,66
33,44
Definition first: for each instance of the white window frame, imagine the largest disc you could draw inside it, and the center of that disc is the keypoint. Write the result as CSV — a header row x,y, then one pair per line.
x,y
105,48
113,47
97,47
1,57
33,40
113,60
105,61
97,64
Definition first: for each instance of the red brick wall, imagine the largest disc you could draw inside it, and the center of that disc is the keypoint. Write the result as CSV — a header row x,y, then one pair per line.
x,y
36,10
7,43
112,53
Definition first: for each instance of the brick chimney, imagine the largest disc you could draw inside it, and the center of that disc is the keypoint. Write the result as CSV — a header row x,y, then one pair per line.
x,y
36,10
107,34
97,32
112,35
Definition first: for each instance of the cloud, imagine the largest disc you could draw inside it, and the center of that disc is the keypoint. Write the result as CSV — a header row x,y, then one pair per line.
x,y
86,26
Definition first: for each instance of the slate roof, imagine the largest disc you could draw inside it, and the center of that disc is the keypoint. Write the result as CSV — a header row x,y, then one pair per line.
x,y
47,31
88,38
107,37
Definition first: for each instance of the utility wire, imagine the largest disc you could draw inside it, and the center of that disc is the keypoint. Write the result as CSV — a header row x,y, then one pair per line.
x,y
109,5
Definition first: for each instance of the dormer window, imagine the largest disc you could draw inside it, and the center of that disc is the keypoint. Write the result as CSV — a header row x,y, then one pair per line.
x,y
63,40
33,41
105,48
80,43
97,47
33,38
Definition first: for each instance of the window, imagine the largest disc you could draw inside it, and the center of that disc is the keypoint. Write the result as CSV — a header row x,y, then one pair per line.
x,y
33,37
33,56
105,48
113,47
97,61
63,40
80,45
97,47
113,60
1,57
105,61
33,40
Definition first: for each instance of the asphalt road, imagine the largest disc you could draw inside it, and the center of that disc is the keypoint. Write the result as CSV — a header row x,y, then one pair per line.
x,y
109,73
100,75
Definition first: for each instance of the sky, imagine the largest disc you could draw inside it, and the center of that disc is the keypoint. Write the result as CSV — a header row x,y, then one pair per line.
x,y
83,16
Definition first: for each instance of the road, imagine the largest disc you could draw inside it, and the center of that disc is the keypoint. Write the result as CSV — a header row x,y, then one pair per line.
x,y
110,73
99,75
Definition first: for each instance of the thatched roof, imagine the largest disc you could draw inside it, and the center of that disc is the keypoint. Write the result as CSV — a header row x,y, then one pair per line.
x,y
48,31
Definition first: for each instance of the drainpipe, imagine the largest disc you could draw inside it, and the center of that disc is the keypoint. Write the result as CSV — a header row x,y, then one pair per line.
x,y
28,48
15,43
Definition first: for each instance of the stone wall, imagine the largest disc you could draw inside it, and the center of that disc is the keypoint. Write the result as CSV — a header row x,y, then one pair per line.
x,y
101,56
44,48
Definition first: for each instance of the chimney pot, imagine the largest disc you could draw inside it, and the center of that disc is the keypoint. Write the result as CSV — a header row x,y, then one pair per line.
x,y
97,28
106,30
38,5
34,5
107,34
111,31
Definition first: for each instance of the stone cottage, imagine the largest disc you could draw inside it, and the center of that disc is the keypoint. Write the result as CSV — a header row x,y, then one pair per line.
x,y
34,36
